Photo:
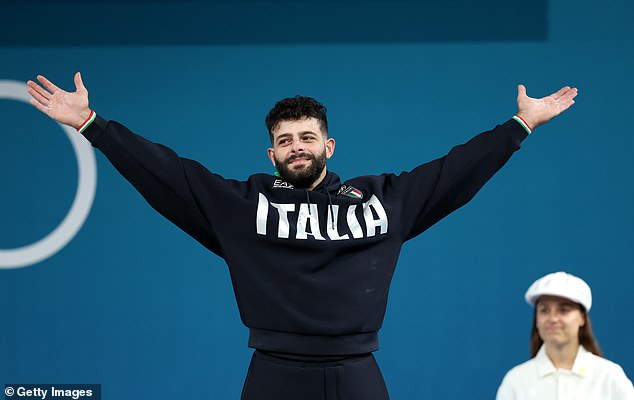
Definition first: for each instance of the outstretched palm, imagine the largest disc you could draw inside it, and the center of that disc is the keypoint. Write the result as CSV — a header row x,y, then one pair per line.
x,y
540,111
69,108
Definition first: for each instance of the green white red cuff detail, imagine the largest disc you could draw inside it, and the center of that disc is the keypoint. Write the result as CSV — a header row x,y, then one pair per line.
x,y
86,123
524,124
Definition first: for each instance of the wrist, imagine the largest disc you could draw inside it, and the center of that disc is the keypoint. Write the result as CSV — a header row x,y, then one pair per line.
x,y
526,122
86,119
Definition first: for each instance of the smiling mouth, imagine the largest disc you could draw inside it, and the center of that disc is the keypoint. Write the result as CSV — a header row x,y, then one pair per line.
x,y
299,158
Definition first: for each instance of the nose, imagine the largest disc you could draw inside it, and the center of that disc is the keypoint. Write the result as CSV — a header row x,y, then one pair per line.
x,y
553,315
297,146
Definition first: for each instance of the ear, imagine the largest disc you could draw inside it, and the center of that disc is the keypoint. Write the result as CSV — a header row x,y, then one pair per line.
x,y
271,153
330,147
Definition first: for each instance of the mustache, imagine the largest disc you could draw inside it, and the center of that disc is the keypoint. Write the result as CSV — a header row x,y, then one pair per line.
x,y
300,155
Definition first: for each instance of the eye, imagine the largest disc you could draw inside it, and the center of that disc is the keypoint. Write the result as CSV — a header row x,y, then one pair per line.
x,y
308,138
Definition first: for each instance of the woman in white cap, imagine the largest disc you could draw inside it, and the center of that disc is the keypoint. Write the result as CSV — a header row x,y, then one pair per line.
x,y
566,360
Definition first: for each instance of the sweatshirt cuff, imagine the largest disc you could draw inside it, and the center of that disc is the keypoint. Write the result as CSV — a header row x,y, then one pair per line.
x,y
524,124
516,129
87,122
94,129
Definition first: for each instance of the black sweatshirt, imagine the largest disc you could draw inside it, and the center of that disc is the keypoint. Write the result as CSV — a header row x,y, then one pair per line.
x,y
310,270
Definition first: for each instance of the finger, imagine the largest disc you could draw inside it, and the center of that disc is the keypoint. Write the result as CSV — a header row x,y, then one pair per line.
x,y
39,106
569,95
39,89
79,83
38,97
47,84
521,91
560,92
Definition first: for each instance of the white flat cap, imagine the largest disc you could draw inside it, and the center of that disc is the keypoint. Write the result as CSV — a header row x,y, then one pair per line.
x,y
563,285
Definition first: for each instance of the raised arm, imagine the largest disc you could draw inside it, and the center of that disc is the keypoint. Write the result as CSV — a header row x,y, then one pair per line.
x,y
172,185
435,189
68,108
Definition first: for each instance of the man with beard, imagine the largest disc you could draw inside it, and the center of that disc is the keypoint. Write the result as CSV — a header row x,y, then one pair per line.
x,y
298,130
311,258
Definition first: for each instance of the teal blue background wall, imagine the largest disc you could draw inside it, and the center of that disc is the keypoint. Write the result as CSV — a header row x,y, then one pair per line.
x,y
134,304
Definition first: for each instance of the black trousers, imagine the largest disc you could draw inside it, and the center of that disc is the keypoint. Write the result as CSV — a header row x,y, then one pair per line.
x,y
273,377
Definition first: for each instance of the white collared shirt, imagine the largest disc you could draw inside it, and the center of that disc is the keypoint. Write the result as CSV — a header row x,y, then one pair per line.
x,y
591,378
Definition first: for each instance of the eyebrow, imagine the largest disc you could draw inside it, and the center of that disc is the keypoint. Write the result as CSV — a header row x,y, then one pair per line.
x,y
284,135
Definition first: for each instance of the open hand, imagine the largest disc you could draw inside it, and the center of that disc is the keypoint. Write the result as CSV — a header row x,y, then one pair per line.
x,y
69,108
539,111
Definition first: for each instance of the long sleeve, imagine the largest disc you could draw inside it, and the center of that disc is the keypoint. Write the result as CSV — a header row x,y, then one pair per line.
x,y
435,189
159,174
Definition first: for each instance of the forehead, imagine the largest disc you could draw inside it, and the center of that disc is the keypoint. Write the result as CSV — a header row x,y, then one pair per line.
x,y
298,126
555,301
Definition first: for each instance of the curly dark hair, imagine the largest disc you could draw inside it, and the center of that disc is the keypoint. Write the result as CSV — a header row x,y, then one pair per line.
x,y
293,109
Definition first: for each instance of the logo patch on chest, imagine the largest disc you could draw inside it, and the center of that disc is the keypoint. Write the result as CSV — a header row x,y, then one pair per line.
x,y
280,184
350,191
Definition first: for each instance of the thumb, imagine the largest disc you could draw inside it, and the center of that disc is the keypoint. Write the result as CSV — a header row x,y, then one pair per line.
x,y
521,91
79,84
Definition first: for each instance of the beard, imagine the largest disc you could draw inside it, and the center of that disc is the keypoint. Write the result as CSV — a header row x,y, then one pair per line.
x,y
305,175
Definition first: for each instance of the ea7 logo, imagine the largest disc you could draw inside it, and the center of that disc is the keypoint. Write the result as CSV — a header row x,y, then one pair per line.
x,y
280,184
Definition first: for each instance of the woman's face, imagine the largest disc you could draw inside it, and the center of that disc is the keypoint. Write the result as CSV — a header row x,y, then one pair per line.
x,y
558,321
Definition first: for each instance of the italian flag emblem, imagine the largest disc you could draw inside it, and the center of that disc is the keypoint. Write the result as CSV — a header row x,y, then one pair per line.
x,y
351,192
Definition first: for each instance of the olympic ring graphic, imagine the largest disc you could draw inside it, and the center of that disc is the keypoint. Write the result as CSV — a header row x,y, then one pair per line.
x,y
79,210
